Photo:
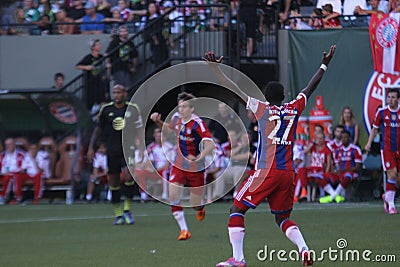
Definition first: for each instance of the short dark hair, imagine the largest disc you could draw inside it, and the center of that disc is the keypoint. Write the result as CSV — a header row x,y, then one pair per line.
x,y
339,126
346,132
274,92
58,75
394,90
184,96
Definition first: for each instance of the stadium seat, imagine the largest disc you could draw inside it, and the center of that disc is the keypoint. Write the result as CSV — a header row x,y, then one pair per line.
x,y
370,175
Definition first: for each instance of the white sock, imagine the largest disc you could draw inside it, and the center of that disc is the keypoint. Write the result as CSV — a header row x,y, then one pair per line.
x,y
180,219
389,198
236,237
89,197
143,196
338,191
297,189
321,192
294,235
328,188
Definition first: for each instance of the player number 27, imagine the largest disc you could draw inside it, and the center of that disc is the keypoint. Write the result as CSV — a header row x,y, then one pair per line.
x,y
278,120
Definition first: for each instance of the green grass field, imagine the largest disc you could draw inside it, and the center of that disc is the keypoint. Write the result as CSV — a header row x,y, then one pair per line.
x,y
83,235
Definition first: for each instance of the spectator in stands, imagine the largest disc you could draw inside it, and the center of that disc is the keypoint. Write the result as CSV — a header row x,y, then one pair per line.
x,y
154,34
176,22
77,11
348,120
315,20
104,8
92,16
58,81
222,121
331,19
195,20
248,15
7,15
45,25
99,172
19,18
31,13
46,8
61,17
219,20
349,6
372,8
336,5
94,83
116,22
347,165
123,61
161,153
124,10
297,22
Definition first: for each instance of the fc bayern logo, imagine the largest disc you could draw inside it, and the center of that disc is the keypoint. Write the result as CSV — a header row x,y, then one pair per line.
x,y
64,112
386,32
374,93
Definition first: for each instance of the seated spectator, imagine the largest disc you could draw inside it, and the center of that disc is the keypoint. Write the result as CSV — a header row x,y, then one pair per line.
x,y
124,10
31,13
19,18
77,11
61,18
349,6
298,23
374,7
116,20
315,20
46,8
336,5
195,21
45,25
104,8
331,19
92,16
219,18
99,172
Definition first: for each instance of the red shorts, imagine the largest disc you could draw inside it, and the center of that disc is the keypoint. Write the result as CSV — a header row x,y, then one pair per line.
x,y
277,186
390,160
334,178
190,179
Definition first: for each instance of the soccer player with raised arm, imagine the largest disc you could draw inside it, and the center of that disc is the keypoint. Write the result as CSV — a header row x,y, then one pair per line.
x,y
274,172
188,166
388,120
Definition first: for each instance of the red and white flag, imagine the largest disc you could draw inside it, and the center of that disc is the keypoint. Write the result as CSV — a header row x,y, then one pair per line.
x,y
385,42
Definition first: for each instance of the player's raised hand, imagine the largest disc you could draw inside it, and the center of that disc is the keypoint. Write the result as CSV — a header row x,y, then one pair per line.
x,y
327,58
210,57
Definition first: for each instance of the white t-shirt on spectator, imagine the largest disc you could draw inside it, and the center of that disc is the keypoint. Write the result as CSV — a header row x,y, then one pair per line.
x,y
350,5
336,4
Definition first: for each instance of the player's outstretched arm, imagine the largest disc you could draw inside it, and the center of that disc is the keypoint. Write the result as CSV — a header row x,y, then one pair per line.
x,y
209,57
313,83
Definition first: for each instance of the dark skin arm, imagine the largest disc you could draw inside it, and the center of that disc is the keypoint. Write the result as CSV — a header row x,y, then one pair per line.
x,y
90,154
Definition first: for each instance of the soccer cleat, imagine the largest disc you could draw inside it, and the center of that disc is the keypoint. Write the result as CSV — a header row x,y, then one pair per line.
x,y
306,258
393,211
231,262
339,199
385,204
200,214
128,217
119,220
325,199
184,235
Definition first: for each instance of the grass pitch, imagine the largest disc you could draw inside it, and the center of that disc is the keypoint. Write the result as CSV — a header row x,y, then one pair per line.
x,y
83,235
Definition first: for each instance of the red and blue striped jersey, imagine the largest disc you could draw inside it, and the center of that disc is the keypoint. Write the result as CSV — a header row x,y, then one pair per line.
x,y
389,122
189,136
276,132
347,157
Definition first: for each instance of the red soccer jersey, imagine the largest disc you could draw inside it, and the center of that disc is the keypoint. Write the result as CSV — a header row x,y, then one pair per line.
x,y
347,157
389,122
333,146
276,131
189,135
319,159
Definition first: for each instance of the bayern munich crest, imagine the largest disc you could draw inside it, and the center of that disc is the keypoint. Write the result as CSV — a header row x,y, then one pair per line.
x,y
63,112
386,32
374,93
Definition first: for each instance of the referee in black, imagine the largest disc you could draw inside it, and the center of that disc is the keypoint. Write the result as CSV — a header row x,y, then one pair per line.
x,y
112,119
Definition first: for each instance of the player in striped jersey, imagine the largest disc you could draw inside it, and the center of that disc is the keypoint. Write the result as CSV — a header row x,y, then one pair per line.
x,y
348,160
188,166
274,171
387,119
